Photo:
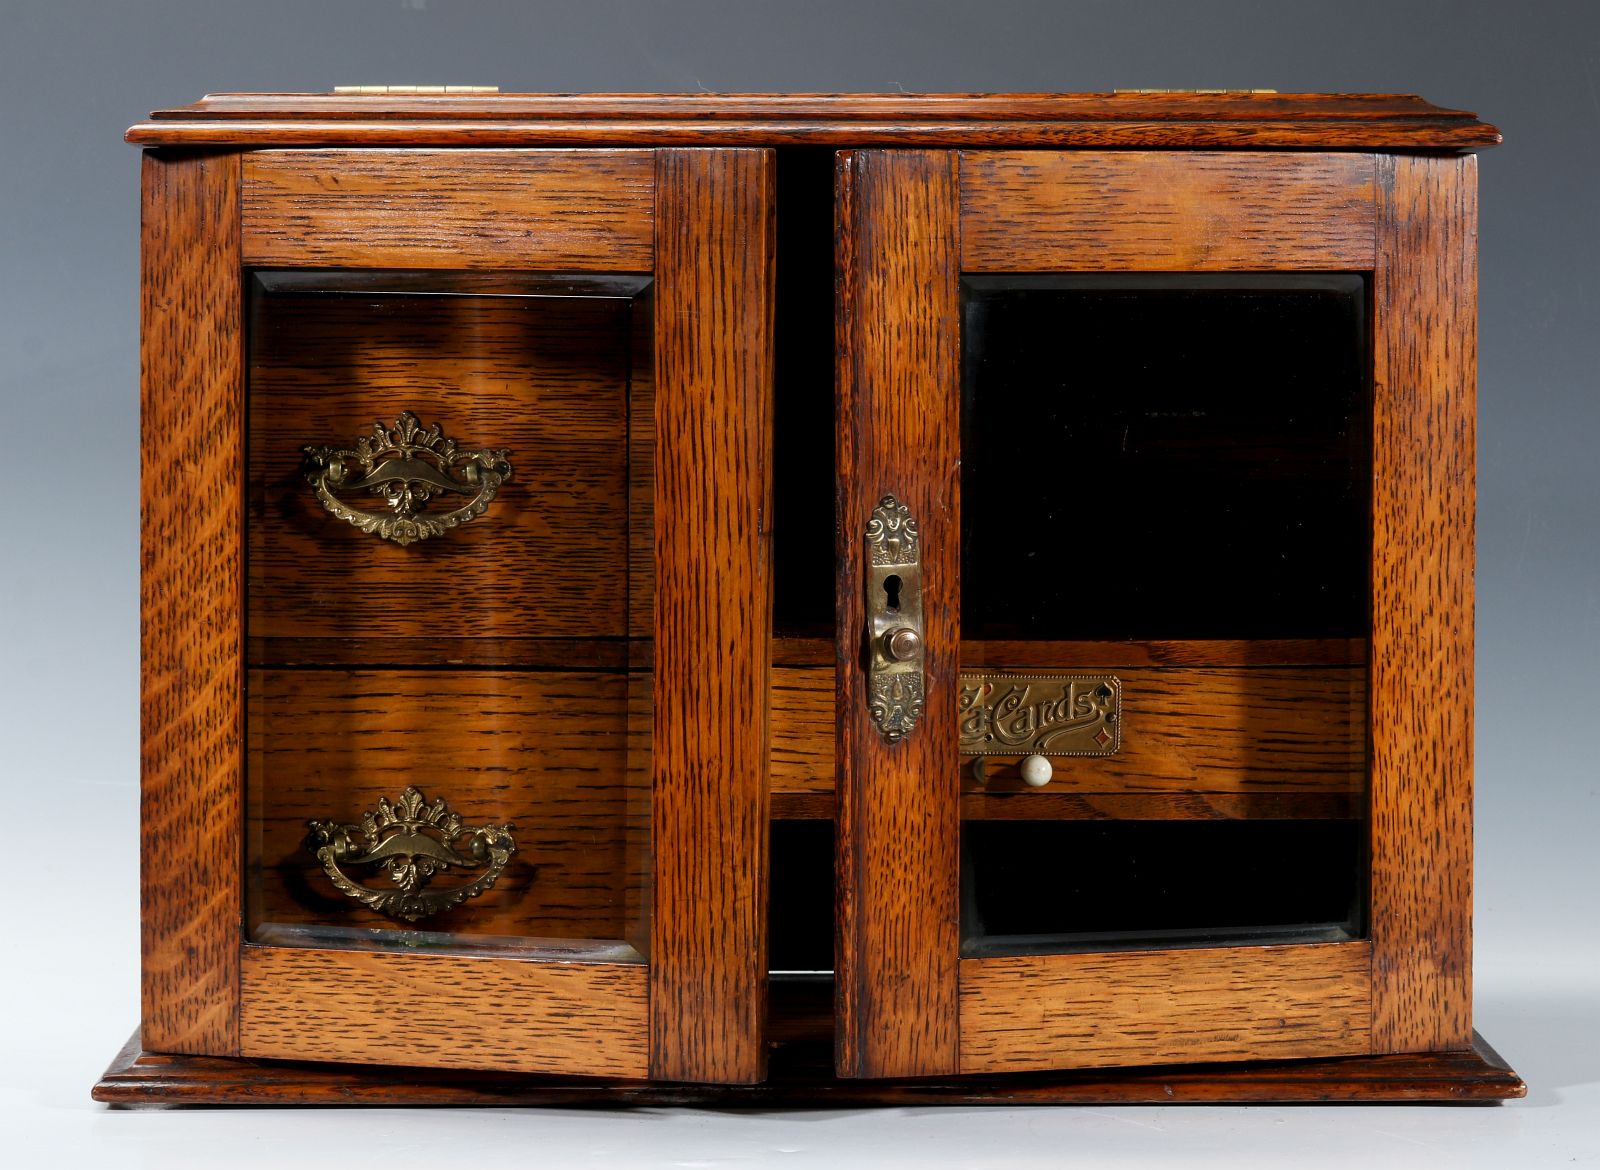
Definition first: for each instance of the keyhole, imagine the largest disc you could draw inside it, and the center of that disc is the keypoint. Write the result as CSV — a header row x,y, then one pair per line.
x,y
891,586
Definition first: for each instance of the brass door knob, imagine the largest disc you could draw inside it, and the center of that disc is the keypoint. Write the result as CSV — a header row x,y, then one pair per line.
x,y
903,644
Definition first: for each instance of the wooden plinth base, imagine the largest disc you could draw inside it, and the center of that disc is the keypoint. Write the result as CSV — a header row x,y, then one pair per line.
x,y
801,1076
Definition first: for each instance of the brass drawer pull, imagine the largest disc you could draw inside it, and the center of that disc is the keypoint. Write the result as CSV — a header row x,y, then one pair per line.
x,y
412,841
407,466
895,689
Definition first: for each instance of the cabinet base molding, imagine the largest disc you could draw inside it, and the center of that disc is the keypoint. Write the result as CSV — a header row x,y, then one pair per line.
x,y
801,1075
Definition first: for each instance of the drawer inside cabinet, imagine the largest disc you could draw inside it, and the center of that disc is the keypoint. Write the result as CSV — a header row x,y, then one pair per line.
x,y
560,759
445,456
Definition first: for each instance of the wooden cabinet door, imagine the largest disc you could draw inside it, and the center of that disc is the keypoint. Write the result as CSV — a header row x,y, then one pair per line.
x,y
1164,460
556,631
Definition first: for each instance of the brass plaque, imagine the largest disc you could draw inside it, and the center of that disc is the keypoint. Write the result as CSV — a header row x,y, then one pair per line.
x,y
1040,714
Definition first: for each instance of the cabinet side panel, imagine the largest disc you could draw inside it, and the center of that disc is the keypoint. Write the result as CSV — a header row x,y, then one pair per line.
x,y
713,309
191,743
1425,292
898,427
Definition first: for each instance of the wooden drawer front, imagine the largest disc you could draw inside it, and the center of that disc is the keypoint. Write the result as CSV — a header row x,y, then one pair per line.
x,y
548,379
556,210
562,755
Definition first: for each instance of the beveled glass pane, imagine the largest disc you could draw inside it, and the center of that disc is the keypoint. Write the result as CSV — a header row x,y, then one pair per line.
x,y
1118,885
1165,532
1164,456
449,600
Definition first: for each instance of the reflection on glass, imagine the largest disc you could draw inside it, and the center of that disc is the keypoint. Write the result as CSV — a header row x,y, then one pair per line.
x,y
1164,457
1109,885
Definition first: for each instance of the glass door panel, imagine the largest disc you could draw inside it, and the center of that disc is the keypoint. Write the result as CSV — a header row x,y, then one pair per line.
x,y
449,622
1164,456
1164,504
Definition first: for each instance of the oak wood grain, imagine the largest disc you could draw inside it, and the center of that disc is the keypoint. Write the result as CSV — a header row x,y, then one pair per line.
x,y
547,379
803,732
555,753
429,1011
1424,375
1165,211
802,1076
713,386
555,210
1164,1007
1263,730
898,346
191,636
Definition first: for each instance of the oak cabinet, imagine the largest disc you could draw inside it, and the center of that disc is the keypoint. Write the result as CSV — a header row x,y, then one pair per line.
x,y
967,597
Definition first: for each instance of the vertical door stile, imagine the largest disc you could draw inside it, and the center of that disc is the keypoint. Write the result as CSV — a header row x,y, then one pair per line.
x,y
714,310
898,318
192,643
1424,491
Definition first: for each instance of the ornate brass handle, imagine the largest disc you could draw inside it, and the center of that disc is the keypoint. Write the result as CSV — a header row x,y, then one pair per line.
x,y
412,840
895,690
407,466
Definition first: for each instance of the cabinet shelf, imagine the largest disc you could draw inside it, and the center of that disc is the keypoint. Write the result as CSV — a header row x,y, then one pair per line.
x,y
1159,806
1006,654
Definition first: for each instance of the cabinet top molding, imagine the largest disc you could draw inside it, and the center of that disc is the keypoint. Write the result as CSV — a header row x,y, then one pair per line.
x,y
1197,120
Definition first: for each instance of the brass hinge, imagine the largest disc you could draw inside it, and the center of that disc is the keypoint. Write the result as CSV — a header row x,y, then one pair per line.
x,y
409,90
1200,91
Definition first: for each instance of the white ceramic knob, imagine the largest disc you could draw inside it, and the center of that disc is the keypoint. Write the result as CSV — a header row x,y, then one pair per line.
x,y
1036,771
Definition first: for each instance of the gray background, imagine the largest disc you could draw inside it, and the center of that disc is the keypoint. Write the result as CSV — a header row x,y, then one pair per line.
x,y
74,75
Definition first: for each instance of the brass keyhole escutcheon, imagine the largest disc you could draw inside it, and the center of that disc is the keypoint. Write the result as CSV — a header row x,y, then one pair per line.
x,y
895,683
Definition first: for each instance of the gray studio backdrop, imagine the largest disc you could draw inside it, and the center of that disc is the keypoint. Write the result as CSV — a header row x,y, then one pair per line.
x,y
74,75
